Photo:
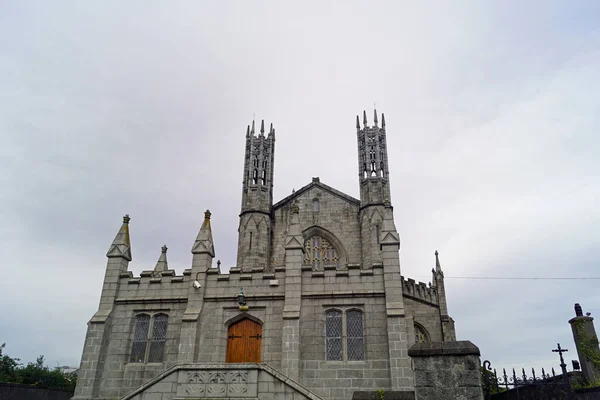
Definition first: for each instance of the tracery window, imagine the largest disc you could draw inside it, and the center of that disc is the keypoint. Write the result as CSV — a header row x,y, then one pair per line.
x,y
333,335
319,253
420,334
149,338
355,337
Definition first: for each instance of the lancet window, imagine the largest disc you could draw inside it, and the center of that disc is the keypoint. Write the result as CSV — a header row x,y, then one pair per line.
x,y
319,253
333,332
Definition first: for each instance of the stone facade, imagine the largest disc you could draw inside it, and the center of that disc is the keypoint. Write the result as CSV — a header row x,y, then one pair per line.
x,y
320,273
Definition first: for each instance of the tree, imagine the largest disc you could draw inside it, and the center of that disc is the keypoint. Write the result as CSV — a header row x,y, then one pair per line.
x,y
36,374
8,366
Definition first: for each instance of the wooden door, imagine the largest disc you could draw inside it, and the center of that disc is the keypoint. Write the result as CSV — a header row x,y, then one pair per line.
x,y
244,340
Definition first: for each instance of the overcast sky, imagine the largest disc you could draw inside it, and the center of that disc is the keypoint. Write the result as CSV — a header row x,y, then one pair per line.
x,y
141,107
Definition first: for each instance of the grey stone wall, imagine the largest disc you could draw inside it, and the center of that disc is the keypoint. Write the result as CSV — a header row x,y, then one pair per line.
x,y
340,379
13,391
426,315
118,374
350,288
446,371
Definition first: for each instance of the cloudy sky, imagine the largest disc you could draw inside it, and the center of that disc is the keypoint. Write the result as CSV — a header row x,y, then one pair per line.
x,y
141,107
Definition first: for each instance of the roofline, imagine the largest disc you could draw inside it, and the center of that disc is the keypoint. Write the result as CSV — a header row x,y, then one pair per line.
x,y
319,184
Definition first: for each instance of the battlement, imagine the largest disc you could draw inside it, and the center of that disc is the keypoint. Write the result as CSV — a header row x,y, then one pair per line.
x,y
332,281
256,284
419,291
153,285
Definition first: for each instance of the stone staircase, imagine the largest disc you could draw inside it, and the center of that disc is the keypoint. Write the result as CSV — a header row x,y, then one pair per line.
x,y
221,381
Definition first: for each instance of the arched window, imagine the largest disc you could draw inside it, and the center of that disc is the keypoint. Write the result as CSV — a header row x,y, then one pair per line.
x,y
420,334
149,338
316,205
333,335
158,338
355,336
319,253
140,338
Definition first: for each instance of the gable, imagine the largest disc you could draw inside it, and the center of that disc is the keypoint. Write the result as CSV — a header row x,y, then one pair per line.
x,y
316,184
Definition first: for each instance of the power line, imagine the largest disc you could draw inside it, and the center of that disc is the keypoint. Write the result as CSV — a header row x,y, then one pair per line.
x,y
516,278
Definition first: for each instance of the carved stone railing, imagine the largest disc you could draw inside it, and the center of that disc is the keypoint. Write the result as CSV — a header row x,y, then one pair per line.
x,y
221,381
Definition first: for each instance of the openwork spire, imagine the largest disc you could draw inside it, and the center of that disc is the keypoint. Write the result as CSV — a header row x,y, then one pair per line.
x,y
373,168
121,246
204,240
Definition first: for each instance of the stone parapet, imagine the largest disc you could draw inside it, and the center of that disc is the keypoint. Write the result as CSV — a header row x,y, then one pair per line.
x,y
419,291
222,381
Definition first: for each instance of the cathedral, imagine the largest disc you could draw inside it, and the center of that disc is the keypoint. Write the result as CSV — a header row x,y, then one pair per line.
x,y
316,307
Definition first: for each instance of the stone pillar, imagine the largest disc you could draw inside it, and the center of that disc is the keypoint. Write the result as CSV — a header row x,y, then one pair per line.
x,y
294,255
98,332
446,371
401,376
584,334
203,253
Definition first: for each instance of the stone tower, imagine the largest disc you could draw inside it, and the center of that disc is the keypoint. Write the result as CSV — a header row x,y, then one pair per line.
x,y
257,199
373,176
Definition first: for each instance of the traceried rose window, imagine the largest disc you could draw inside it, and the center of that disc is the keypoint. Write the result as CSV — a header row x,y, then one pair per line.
x,y
319,253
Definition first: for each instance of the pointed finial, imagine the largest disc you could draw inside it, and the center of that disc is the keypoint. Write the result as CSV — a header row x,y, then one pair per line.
x,y
161,264
262,126
204,240
252,130
357,123
271,128
121,245
293,190
248,131
365,118
382,120
438,267
375,117
218,263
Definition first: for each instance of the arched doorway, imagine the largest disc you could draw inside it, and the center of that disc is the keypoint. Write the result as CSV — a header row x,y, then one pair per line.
x,y
244,340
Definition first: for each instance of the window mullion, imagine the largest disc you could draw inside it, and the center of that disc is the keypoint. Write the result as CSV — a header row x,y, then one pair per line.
x,y
149,339
344,338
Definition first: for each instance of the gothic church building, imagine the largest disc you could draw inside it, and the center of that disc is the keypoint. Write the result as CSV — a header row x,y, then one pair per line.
x,y
323,311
